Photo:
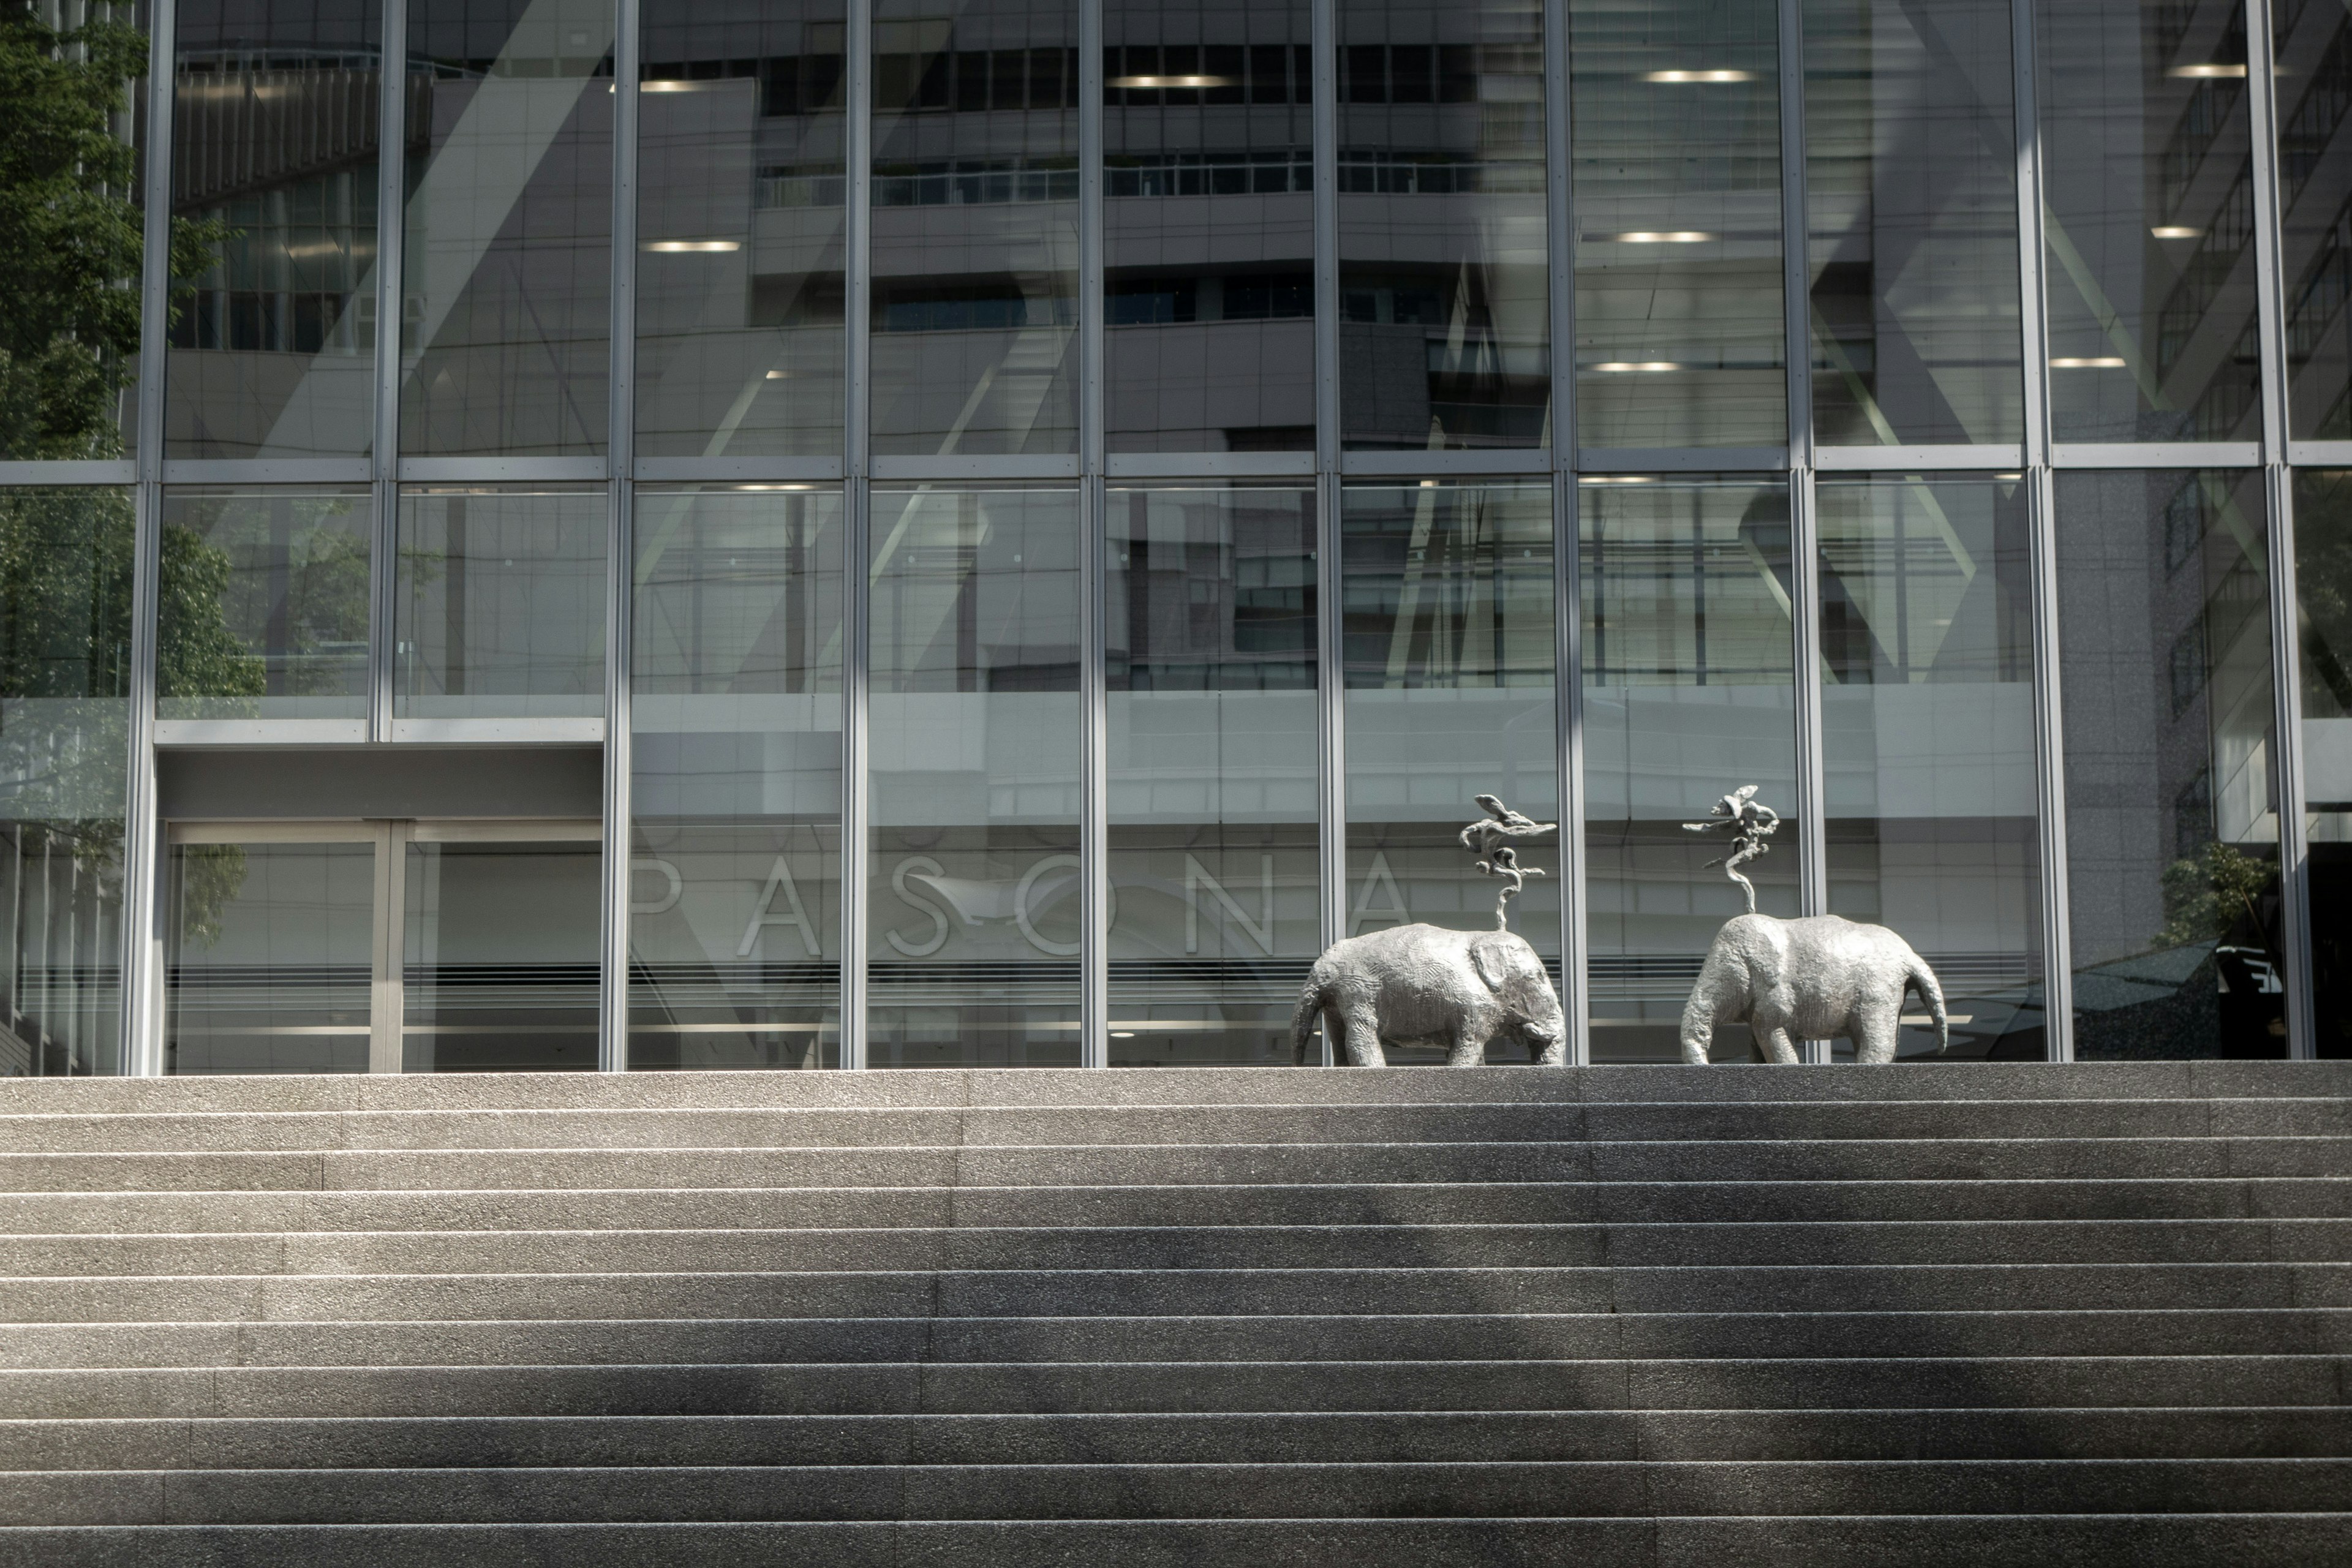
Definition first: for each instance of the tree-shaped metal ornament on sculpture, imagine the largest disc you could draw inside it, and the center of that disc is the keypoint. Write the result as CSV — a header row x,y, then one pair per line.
x,y
1750,821
1489,838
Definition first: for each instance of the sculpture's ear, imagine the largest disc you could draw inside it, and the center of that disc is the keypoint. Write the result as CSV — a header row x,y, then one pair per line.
x,y
1513,972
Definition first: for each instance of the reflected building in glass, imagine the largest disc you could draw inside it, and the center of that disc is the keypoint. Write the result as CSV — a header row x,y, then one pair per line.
x,y
805,535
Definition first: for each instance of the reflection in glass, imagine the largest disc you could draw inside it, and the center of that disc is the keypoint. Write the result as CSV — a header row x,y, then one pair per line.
x,y
275,128
1215,916
975,226
1911,200
1444,339
2164,637
269,957
507,281
973,736
264,605
501,605
1211,286
735,912
741,192
70,311
2323,582
1689,693
499,956
1680,320
2315,130
2148,177
1447,595
1928,738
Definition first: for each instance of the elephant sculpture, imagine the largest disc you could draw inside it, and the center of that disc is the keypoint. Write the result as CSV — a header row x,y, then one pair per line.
x,y
1811,979
1417,985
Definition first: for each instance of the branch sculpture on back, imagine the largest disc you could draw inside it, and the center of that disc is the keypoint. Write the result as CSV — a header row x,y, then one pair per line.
x,y
1789,979
1424,985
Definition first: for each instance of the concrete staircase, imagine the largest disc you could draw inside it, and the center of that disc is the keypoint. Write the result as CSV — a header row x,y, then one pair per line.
x,y
1672,1317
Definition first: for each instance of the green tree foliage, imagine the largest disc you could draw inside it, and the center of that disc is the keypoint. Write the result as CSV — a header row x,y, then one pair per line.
x,y
2208,893
70,232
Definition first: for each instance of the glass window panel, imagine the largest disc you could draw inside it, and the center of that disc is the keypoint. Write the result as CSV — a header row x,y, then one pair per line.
x,y
2315,130
270,959
1447,598
501,605
975,226
1214,771
740,180
1689,693
1680,315
973,736
65,659
1211,226
1443,337
2323,582
735,915
506,281
274,151
2148,180
72,246
499,960
264,605
1911,197
1928,743
2164,636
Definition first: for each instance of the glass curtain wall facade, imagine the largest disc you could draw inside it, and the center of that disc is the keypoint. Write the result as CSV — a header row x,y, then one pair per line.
x,y
1036,516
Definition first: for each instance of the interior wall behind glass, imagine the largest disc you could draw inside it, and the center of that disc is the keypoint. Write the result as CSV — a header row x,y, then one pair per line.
x,y
975,226
2323,581
1448,599
499,605
64,683
73,240
275,133
263,606
741,193
2314,72
1680,317
735,907
1444,339
1911,207
1926,638
2163,633
1214,772
1209,153
506,287
2147,178
1690,694
973,726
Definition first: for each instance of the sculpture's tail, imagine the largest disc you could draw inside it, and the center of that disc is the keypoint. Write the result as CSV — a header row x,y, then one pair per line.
x,y
1923,980
1302,1022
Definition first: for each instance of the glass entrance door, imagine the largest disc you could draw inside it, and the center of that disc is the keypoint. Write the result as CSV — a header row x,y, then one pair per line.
x,y
382,947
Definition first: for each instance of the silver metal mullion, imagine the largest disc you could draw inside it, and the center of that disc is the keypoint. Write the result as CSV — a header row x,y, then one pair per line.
x,y
142,954
1331,682
857,568
1796,281
391,217
2031,313
2270,295
620,564
1568,681
1094,777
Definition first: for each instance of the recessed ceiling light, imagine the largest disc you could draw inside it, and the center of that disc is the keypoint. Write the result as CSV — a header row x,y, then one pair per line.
x,y
694,246
1122,1034
1624,367
1661,237
1147,82
1616,480
669,87
2207,72
2105,362
2175,231
1678,77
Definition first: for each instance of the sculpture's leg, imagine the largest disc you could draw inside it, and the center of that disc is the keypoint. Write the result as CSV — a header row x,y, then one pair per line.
x,y
1554,1054
1466,1051
1875,1026
1771,1030
1361,1030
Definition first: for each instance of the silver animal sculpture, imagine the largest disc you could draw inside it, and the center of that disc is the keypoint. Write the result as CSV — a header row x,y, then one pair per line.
x,y
1751,822
1486,839
1811,979
1423,984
